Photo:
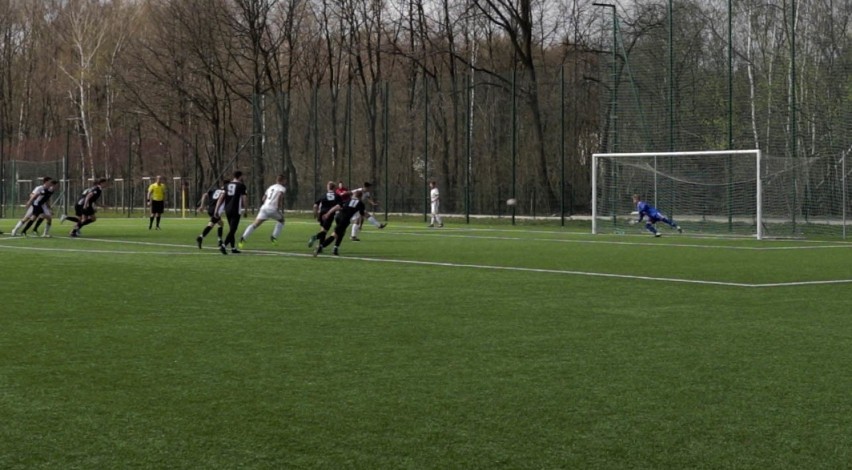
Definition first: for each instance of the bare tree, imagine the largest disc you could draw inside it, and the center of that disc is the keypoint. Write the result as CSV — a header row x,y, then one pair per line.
x,y
516,19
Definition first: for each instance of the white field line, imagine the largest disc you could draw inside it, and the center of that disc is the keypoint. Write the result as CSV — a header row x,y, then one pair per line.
x,y
422,233
429,263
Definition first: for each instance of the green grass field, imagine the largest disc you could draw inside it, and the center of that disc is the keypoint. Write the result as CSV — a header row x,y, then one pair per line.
x,y
472,346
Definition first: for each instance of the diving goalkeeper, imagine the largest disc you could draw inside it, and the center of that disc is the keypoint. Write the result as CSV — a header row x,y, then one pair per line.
x,y
646,210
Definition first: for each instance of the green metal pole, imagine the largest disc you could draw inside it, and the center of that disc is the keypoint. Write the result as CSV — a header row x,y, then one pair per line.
x,y
127,178
65,177
467,143
514,141
2,172
199,189
793,129
315,129
562,144
425,148
731,115
671,77
349,132
671,104
386,125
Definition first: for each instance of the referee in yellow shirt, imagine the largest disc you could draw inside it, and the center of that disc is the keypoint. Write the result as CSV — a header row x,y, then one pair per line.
x,y
157,200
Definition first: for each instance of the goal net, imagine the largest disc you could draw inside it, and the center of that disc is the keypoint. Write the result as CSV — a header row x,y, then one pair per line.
x,y
738,193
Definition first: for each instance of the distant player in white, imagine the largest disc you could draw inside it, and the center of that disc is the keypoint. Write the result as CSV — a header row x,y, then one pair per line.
x,y
357,220
272,208
435,198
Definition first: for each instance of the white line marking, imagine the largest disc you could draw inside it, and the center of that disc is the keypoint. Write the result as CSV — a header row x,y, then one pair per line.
x,y
626,243
430,263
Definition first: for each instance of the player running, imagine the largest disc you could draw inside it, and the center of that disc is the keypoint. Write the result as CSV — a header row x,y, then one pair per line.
x,y
85,208
272,208
234,200
324,204
37,208
210,198
646,210
357,220
343,215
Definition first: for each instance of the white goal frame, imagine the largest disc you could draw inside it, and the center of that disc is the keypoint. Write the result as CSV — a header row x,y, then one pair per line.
x,y
758,178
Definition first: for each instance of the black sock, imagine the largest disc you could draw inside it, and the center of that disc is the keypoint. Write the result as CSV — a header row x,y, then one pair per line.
x,y
207,230
151,222
73,219
27,227
321,236
87,222
158,220
219,232
38,224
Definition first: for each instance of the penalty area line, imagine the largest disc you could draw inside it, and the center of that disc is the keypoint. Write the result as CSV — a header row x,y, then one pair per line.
x,y
594,274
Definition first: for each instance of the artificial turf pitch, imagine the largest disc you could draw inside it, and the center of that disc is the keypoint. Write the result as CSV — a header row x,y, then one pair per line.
x,y
471,346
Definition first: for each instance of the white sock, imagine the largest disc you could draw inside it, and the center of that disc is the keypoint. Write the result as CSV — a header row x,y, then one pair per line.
x,y
356,229
17,226
277,230
248,231
47,228
373,221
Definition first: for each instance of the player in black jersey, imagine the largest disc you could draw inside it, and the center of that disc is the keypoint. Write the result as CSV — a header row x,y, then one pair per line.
x,y
235,200
37,208
324,204
210,198
342,218
85,207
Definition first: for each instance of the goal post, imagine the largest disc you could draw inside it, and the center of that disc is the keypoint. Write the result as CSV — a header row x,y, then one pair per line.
x,y
705,192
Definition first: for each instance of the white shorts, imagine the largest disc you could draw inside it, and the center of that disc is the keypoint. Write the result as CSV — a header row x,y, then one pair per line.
x,y
266,214
435,207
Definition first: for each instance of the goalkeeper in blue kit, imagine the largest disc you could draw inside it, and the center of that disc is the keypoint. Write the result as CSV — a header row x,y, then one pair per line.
x,y
646,210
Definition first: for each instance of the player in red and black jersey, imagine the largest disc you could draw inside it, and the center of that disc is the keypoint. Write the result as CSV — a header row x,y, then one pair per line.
x,y
342,218
343,192
85,207
235,200
328,201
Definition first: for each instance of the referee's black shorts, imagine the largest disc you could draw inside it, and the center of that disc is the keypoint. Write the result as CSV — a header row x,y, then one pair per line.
x,y
157,207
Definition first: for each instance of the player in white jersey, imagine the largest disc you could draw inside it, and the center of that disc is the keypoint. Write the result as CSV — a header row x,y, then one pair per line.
x,y
357,220
37,208
435,199
272,208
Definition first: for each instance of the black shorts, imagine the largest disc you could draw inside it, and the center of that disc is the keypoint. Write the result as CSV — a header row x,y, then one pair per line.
x,y
157,207
37,211
325,223
80,211
340,225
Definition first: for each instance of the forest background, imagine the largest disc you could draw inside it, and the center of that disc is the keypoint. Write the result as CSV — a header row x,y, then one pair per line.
x,y
491,98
